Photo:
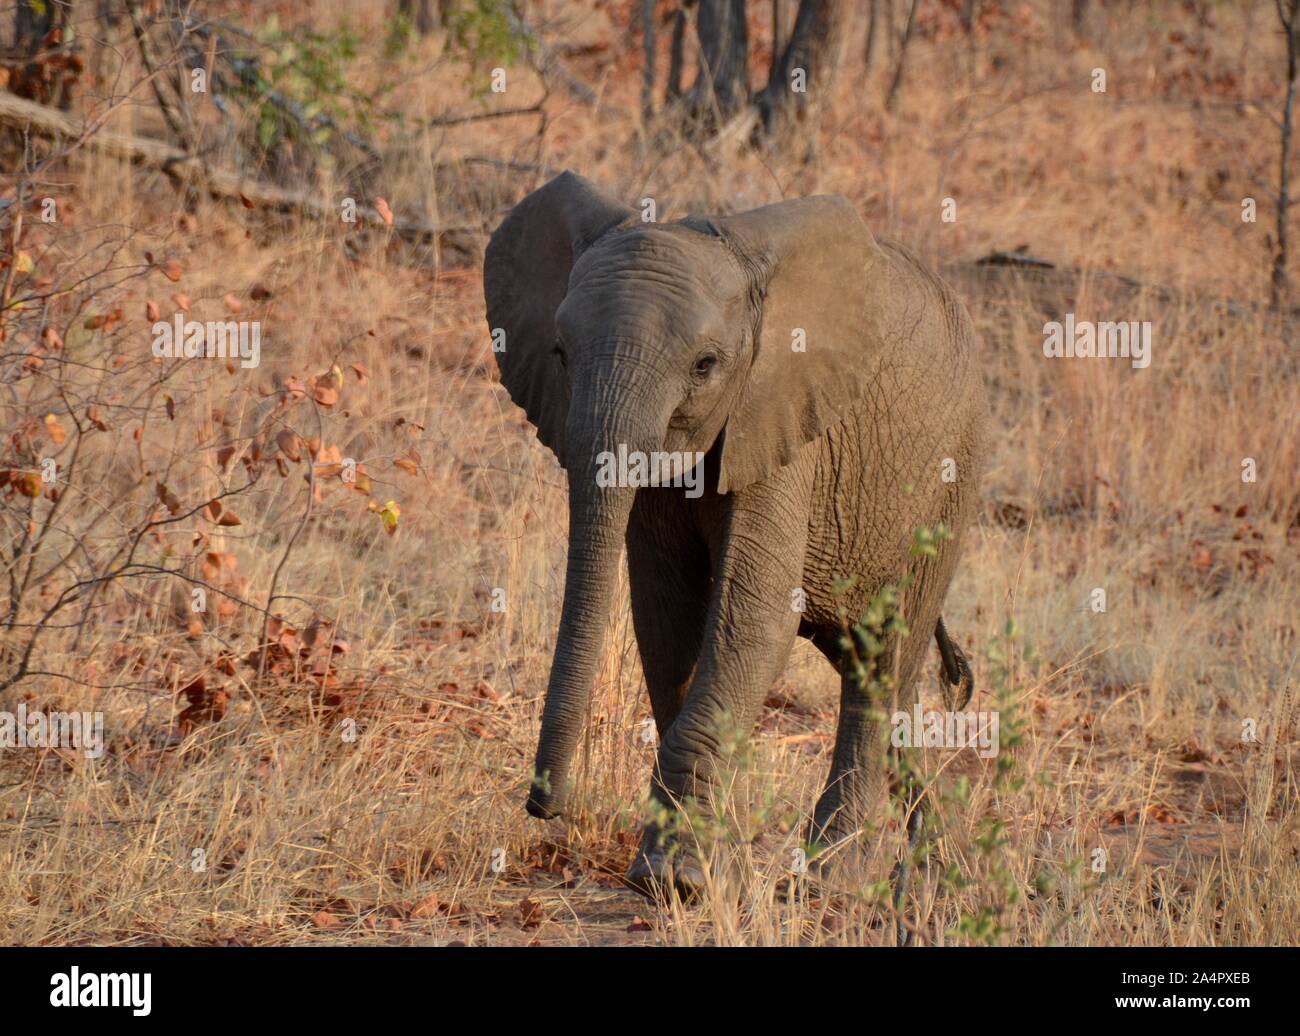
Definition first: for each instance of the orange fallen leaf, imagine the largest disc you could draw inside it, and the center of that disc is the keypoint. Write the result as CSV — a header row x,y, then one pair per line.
x,y
54,429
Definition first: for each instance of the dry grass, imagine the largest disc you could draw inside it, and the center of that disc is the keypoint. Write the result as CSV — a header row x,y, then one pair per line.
x,y
1099,476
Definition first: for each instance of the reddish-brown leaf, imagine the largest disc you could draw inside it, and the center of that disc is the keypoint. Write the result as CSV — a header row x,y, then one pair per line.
x,y
290,444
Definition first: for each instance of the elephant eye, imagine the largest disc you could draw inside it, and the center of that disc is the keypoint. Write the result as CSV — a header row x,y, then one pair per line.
x,y
559,355
703,365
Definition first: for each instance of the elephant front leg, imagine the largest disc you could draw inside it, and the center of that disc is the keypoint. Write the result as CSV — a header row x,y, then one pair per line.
x,y
669,573
751,623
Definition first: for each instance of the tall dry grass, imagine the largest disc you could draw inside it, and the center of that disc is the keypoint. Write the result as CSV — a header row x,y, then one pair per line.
x,y
1099,475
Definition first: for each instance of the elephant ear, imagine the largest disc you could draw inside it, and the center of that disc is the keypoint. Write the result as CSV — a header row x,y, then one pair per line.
x,y
812,261
525,278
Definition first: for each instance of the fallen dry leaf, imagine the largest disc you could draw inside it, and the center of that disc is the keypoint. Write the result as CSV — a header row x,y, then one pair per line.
x,y
54,429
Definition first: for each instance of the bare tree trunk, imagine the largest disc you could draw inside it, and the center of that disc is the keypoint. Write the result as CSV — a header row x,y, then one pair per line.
x,y
1288,12
423,16
970,17
40,36
648,52
108,14
33,19
1078,15
873,34
891,98
800,82
675,54
722,84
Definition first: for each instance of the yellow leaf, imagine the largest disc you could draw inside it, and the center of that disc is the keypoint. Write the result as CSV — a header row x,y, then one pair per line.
x,y
389,514
28,483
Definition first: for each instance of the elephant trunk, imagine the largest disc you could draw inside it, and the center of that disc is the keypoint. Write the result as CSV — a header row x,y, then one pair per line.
x,y
598,519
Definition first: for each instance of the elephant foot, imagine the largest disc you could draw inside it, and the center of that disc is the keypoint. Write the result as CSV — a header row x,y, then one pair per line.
x,y
541,807
838,867
842,874
663,865
545,799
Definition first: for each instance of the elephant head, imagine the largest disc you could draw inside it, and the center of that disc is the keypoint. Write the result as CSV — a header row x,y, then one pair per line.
x,y
738,337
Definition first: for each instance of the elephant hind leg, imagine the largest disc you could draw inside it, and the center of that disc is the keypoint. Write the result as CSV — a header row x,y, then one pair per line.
x,y
859,762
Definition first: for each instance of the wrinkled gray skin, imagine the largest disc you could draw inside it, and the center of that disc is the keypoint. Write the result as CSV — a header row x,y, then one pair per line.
x,y
819,463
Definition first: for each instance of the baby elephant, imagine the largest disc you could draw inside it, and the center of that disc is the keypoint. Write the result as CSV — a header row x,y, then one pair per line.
x,y
757,405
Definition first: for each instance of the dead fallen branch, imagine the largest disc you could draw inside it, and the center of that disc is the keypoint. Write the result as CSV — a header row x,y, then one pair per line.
x,y
185,168
503,113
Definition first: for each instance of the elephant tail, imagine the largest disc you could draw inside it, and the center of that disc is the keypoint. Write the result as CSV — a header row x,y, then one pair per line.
x,y
957,673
